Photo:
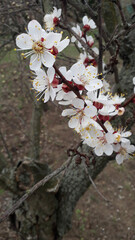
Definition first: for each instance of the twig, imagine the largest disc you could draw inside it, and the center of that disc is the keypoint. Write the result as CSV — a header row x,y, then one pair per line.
x,y
94,185
32,190
100,65
87,48
118,3
128,100
66,82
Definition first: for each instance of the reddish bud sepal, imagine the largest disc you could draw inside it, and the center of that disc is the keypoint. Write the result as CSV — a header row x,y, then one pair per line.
x,y
83,34
103,118
55,82
79,86
56,21
86,27
90,44
66,88
54,51
42,39
93,62
133,100
117,106
98,105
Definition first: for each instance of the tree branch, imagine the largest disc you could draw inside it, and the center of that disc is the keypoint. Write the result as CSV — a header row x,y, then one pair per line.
x,y
33,189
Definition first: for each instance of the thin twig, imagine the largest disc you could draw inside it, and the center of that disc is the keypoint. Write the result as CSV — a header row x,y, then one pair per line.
x,y
118,3
85,45
67,83
94,185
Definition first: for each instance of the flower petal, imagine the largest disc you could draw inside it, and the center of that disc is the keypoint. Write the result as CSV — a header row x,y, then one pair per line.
x,y
63,44
73,122
35,30
48,59
98,151
35,62
119,158
108,149
78,103
68,112
50,73
24,41
52,39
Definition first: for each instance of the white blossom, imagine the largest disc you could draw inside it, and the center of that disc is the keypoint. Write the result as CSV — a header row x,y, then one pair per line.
x,y
41,44
124,150
81,114
88,22
43,84
86,77
52,19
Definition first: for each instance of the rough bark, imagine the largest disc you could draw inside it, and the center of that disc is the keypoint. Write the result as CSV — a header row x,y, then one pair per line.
x,y
37,112
46,215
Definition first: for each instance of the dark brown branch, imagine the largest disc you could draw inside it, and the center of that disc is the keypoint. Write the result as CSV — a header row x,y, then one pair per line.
x,y
128,100
100,70
125,24
32,190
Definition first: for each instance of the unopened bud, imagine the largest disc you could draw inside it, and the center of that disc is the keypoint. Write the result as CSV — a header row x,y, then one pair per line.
x,y
121,111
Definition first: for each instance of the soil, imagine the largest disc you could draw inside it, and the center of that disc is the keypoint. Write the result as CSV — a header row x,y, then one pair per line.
x,y
94,218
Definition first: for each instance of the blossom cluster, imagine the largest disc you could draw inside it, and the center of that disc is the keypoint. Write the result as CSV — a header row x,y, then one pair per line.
x,y
91,104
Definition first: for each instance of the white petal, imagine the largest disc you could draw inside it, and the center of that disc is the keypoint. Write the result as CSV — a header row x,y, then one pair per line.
x,y
92,24
119,158
77,81
35,62
125,140
47,95
94,85
108,149
116,147
39,85
85,122
52,93
24,41
110,137
98,151
60,95
50,73
63,44
126,134
52,39
73,39
85,20
90,111
48,59
73,122
108,126
35,30
78,103
68,112
78,69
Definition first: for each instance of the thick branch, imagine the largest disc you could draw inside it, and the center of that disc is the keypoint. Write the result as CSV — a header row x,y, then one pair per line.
x,y
32,190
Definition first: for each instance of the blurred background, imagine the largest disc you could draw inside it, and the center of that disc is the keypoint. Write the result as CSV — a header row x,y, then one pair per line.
x,y
33,130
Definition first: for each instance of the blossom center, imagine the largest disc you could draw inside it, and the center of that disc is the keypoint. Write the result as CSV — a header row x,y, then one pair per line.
x,y
118,138
123,151
38,47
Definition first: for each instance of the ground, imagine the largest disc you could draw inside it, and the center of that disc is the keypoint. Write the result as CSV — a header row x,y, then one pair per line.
x,y
93,219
